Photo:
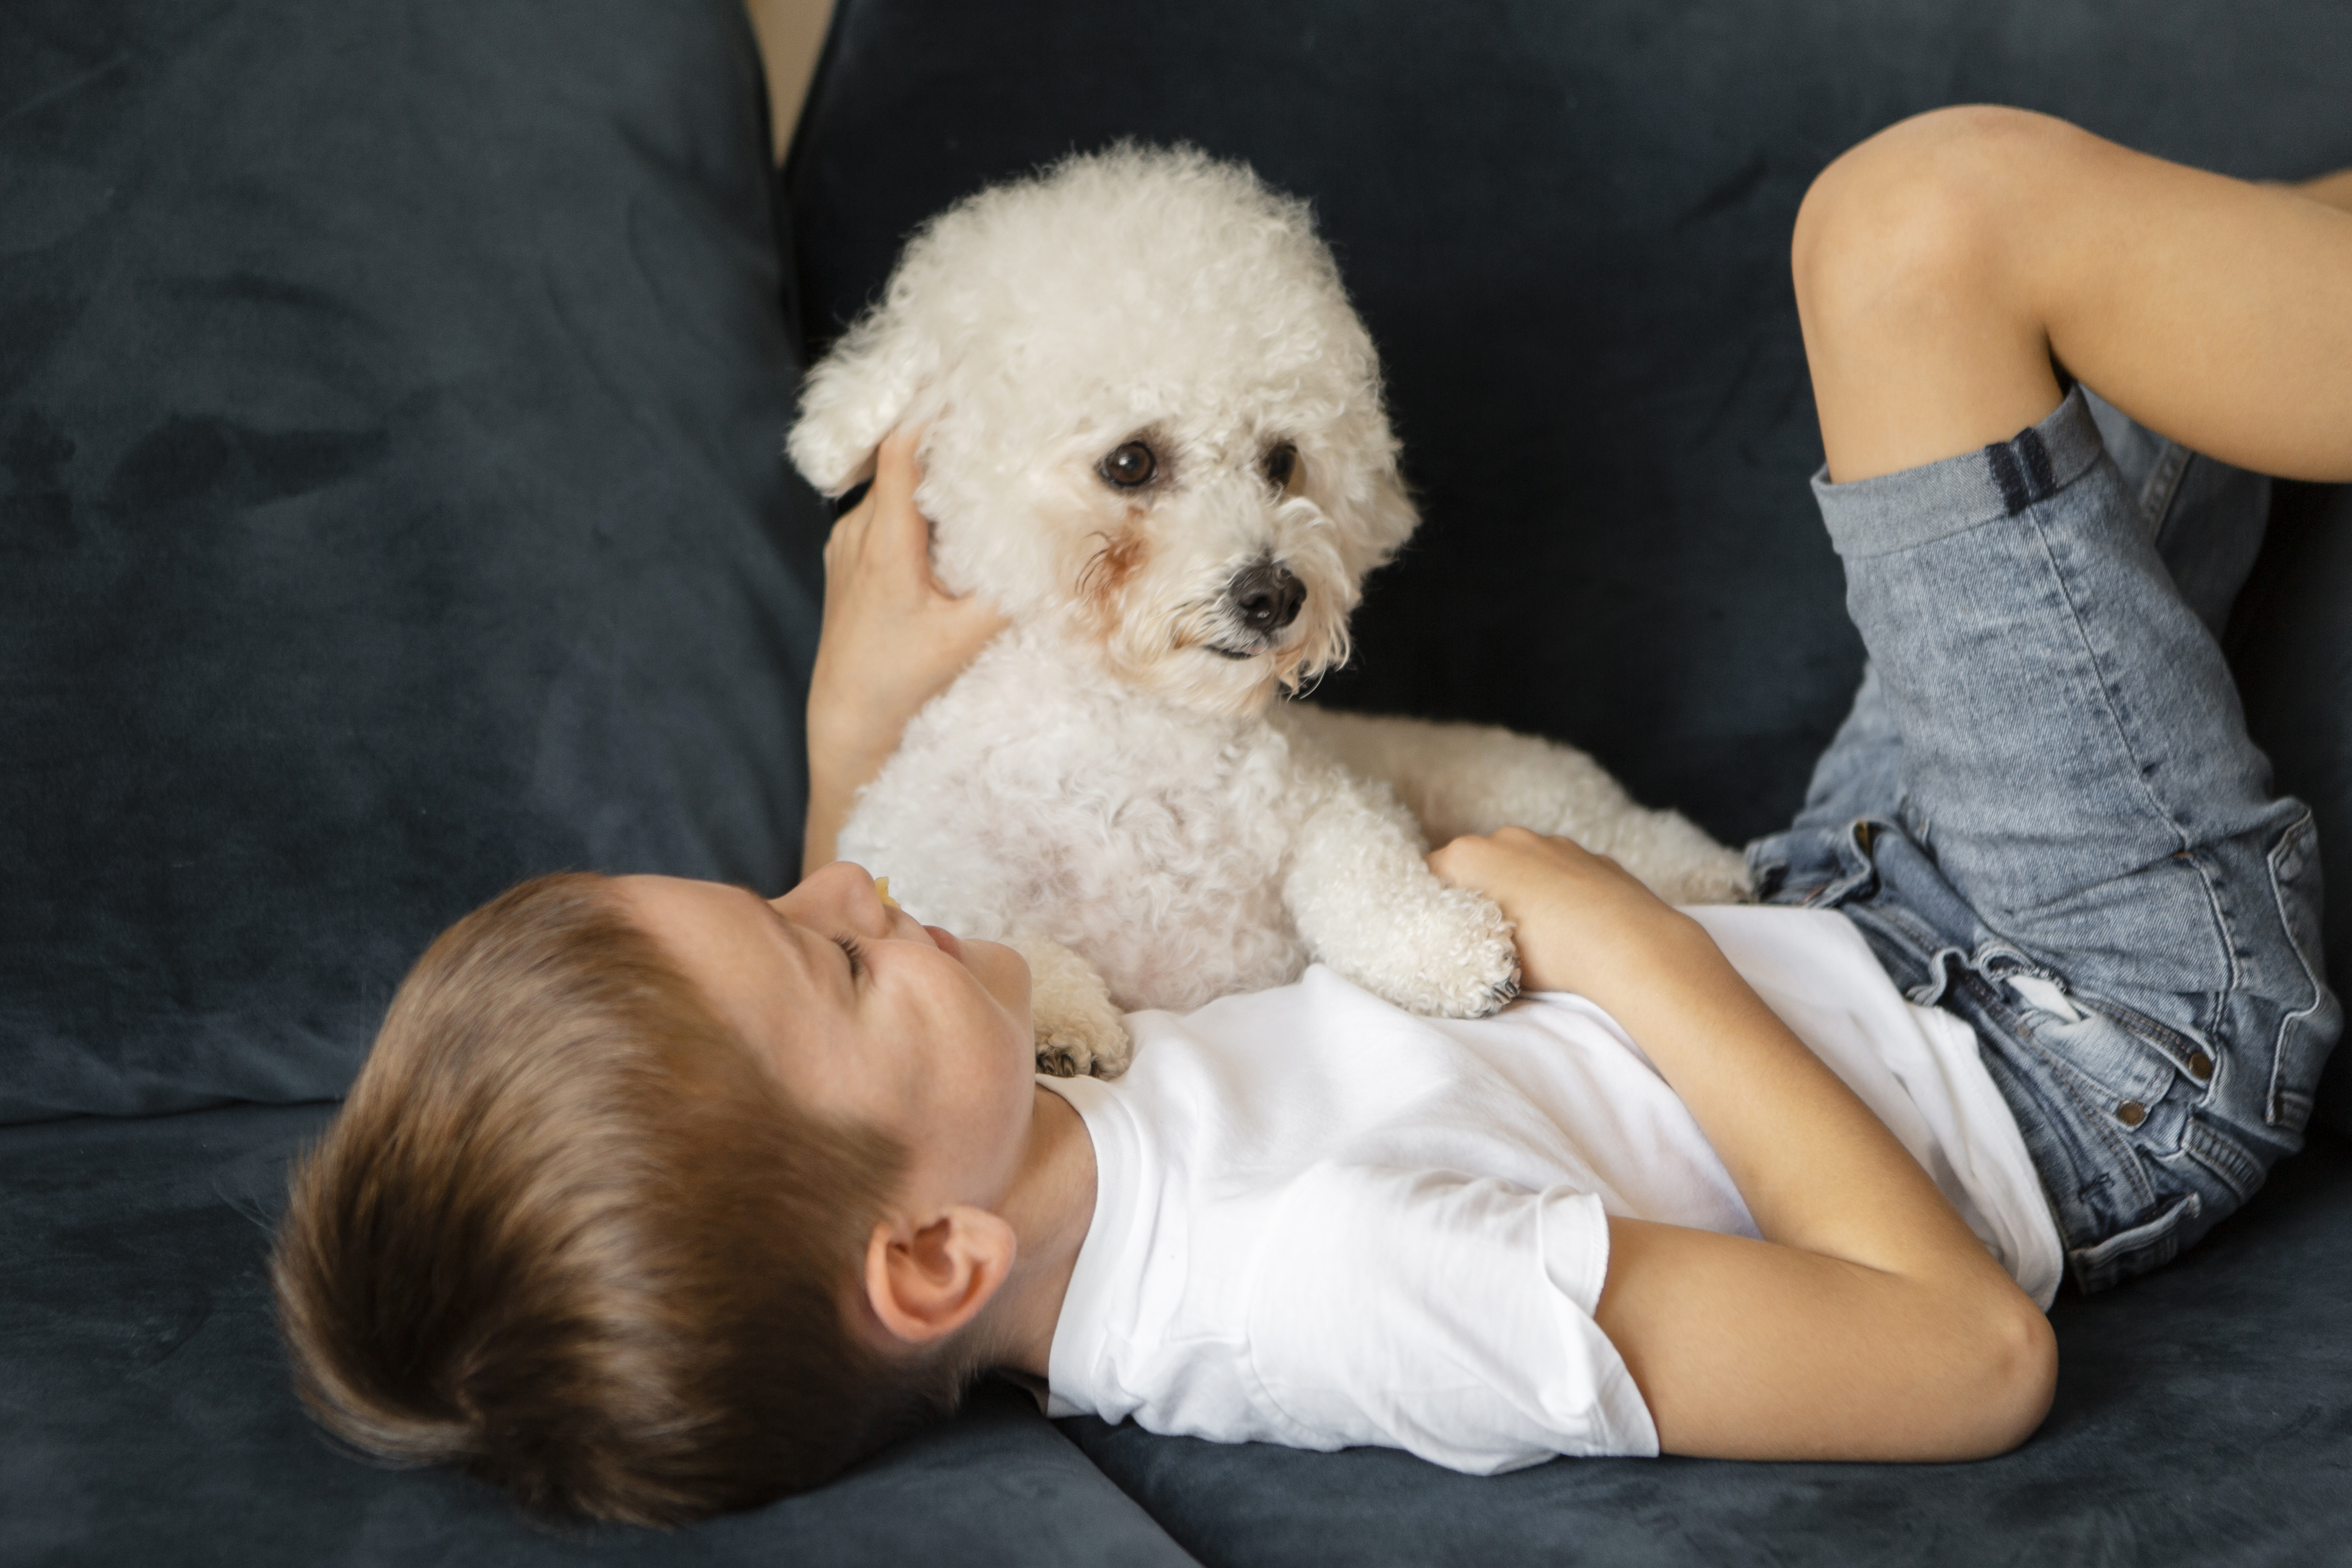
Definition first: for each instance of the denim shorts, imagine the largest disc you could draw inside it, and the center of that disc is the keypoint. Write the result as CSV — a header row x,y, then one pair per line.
x,y
2045,815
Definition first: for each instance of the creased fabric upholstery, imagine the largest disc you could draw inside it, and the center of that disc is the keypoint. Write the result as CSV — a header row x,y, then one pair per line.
x,y
146,1416
1568,228
391,508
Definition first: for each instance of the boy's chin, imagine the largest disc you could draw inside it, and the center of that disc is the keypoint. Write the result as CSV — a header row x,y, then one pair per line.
x,y
1001,972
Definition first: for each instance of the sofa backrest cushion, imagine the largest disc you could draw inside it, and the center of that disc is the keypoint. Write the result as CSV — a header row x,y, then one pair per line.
x,y
392,507
2290,644
1568,227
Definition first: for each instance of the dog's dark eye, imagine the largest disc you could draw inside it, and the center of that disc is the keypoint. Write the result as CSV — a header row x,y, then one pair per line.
x,y
1279,465
1130,466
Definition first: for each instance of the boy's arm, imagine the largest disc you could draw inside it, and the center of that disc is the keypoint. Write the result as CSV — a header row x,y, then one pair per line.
x,y
1869,1323
892,639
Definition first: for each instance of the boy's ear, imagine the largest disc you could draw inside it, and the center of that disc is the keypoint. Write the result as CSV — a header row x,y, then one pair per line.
x,y
925,1282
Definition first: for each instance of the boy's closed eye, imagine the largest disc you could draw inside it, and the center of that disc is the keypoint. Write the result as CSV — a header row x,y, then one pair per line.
x,y
852,950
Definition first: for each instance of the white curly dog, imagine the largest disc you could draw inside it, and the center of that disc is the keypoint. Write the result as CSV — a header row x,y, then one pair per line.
x,y
1154,436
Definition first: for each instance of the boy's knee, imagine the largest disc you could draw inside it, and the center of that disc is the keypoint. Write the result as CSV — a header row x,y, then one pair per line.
x,y
1922,221
2021,1360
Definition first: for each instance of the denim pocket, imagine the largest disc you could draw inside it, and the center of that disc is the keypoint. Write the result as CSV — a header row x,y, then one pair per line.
x,y
2120,1075
2310,1018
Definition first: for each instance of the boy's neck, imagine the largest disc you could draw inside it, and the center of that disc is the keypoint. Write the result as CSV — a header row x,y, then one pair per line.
x,y
1049,1206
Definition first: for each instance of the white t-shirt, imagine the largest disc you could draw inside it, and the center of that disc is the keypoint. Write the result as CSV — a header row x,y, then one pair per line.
x,y
1323,1222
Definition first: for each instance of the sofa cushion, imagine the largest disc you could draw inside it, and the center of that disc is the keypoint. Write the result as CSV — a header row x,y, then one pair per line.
x,y
391,508
2200,1419
149,1417
1568,228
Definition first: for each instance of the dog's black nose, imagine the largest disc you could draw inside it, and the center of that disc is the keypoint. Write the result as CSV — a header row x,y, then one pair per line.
x,y
1268,597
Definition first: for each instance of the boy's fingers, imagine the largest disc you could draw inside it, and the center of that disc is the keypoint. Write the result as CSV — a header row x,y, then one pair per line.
x,y
896,473
906,532
895,459
977,621
846,528
888,521
1453,861
846,547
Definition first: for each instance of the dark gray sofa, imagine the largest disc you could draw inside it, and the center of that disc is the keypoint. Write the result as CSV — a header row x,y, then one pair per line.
x,y
391,508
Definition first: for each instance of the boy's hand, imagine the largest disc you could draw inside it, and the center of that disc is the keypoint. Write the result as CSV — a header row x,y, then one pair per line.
x,y
1585,924
892,639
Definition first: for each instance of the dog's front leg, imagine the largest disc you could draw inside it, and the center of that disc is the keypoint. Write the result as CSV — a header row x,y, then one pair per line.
x,y
1474,778
1366,903
1079,1032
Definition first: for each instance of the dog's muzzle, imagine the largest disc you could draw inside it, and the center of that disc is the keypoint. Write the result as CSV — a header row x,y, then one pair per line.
x,y
1266,598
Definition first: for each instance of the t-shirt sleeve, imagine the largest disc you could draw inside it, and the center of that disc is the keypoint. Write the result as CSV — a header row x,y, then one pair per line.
x,y
1448,1316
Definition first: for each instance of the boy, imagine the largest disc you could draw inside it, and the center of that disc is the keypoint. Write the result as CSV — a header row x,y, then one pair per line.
x,y
655,1198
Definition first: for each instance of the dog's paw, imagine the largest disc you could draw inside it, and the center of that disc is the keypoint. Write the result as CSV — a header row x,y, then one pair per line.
x,y
1481,981
1079,1030
1080,1046
1471,970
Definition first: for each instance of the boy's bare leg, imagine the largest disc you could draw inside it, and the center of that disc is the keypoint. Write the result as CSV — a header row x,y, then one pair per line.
x,y
2076,789
1944,264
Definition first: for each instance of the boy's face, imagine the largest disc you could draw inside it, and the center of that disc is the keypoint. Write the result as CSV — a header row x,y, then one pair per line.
x,y
867,1016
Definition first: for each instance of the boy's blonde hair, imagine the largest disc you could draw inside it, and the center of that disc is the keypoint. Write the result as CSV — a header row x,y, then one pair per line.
x,y
569,1233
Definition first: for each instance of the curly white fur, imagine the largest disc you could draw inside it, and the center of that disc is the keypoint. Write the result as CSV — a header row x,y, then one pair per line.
x,y
1108,786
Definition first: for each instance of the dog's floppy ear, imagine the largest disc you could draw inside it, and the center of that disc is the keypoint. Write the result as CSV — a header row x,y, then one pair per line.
x,y
1374,527
860,392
